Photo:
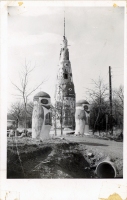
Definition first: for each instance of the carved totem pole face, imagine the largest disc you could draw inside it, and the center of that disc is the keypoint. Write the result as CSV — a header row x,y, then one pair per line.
x,y
45,102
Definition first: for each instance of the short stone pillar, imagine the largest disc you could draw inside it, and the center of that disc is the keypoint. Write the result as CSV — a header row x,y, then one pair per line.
x,y
41,118
82,117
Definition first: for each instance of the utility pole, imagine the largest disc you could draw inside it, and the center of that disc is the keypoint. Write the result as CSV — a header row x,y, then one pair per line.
x,y
106,122
62,120
110,98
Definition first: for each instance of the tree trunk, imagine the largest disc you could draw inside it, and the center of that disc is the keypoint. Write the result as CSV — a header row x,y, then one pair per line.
x,y
96,121
61,122
55,120
25,119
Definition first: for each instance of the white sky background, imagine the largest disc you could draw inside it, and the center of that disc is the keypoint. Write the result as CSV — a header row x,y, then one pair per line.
x,y
96,36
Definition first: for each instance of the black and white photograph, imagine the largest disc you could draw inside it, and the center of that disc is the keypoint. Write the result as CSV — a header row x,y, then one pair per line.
x,y
65,91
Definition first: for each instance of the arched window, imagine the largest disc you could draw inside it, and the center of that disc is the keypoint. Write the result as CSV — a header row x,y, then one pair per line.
x,y
65,75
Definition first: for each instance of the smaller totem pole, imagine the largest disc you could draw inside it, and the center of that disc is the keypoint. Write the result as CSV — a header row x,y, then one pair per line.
x,y
41,118
87,111
82,117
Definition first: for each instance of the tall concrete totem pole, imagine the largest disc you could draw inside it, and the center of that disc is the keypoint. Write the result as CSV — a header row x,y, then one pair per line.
x,y
65,92
41,118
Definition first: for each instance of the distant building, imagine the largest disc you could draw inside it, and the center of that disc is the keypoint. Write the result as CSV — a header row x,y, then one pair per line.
x,y
65,91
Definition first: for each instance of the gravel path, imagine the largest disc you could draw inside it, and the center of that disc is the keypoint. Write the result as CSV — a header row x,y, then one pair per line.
x,y
108,147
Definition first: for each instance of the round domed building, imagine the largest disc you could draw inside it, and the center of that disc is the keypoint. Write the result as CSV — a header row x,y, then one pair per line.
x,y
41,118
82,117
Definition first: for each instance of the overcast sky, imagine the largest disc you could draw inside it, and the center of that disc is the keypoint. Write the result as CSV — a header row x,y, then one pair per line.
x,y
95,36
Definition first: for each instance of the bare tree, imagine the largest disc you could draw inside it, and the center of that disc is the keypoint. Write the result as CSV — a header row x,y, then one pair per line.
x,y
99,91
55,116
97,97
16,111
118,105
119,95
23,89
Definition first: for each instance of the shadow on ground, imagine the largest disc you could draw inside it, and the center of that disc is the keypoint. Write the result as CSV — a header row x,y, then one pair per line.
x,y
93,144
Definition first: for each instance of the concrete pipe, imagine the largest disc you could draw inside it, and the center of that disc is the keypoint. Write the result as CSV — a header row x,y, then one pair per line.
x,y
106,169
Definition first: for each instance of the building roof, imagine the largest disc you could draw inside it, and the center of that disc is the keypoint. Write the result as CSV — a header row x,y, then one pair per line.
x,y
80,102
42,94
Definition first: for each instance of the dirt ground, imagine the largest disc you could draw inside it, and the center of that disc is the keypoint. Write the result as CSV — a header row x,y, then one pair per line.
x,y
61,157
